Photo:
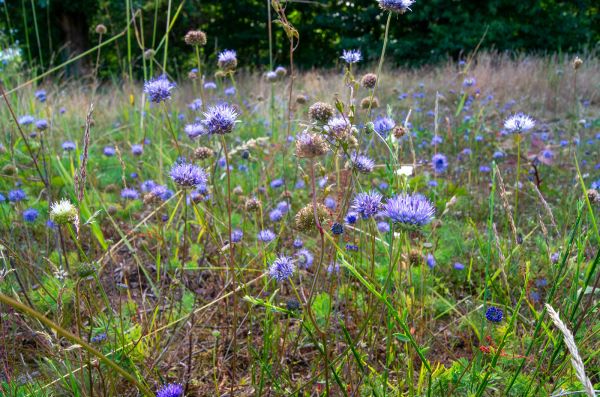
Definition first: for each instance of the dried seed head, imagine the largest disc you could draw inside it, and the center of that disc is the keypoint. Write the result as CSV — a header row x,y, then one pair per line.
x,y
238,191
320,112
593,196
100,29
309,145
9,169
305,218
111,210
367,102
415,257
203,153
252,205
195,38
399,131
111,188
149,54
192,75
301,99
577,62
219,74
369,80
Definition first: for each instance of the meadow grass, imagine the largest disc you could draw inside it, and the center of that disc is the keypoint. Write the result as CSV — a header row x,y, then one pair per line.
x,y
136,287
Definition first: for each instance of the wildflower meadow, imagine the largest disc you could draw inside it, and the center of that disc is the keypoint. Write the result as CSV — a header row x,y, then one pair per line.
x,y
222,228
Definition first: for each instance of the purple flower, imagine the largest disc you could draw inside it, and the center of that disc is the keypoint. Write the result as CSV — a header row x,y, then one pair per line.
x,y
363,164
159,89
68,146
220,119
409,209
266,236
40,95
137,150
236,235
161,192
469,82
275,215
188,175
494,314
430,260
26,120
439,163
459,266
209,85
30,215
367,204
227,60
229,91
196,104
282,268
130,194
305,258
298,243
276,183
351,56
383,125
109,151
518,123
351,218
170,390
383,227
330,203
41,124
16,195
194,130
398,6
148,185
337,228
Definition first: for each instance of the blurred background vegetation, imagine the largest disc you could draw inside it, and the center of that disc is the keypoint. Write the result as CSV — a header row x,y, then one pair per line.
x,y
48,32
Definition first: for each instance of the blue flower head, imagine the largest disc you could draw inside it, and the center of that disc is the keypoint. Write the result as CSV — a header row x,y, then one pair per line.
x,y
16,195
30,215
409,209
170,390
130,194
439,163
351,56
188,175
68,146
494,314
282,268
219,119
368,204
305,258
383,126
159,89
363,164
266,236
398,6
194,130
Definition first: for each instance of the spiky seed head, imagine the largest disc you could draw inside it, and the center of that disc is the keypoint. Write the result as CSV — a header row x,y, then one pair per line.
x,y
195,38
100,29
110,188
399,131
252,204
369,80
301,99
577,62
367,102
203,153
320,112
63,212
149,54
238,190
305,218
280,71
593,196
310,145
9,169
227,60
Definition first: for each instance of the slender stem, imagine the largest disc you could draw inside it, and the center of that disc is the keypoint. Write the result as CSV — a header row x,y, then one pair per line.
x,y
231,266
170,127
381,58
518,137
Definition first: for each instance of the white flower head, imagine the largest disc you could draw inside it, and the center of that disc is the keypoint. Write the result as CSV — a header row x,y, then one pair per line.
x,y
63,212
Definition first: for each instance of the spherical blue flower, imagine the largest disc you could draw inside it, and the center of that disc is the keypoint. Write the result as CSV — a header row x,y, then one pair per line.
x,y
41,124
399,6
275,215
494,314
227,60
282,268
298,243
437,140
337,228
459,266
130,194
229,91
209,85
430,260
188,175
367,204
40,95
519,123
276,183
159,89
469,82
30,215
485,168
363,164
351,218
161,192
220,119
409,209
109,151
68,146
383,227
26,120
351,247
266,236
2,198
383,125
194,130
16,195
196,104
170,390
497,155
283,206
330,203
439,163
236,235
305,258
137,150
351,56
148,185
555,256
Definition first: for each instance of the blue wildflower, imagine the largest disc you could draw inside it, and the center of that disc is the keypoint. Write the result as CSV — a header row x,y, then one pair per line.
x,y
130,194
188,175
439,163
282,268
16,195
30,215
409,209
170,390
220,119
337,228
494,314
305,258
398,6
266,236
159,89
351,56
367,204
68,146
